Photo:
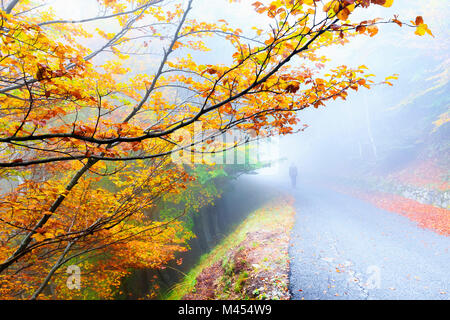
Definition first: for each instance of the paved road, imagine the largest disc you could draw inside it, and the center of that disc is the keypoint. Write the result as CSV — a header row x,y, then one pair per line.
x,y
344,248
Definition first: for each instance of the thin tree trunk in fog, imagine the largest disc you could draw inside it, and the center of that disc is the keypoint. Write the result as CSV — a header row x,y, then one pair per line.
x,y
217,212
162,276
205,228
212,225
360,148
369,129
200,237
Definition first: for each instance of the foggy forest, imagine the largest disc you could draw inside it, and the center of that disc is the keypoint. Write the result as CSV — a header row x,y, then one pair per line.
x,y
224,150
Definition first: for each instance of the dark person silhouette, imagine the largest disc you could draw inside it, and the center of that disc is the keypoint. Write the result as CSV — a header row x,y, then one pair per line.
x,y
293,174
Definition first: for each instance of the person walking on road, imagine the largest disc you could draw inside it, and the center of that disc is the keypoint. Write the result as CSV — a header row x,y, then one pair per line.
x,y
293,174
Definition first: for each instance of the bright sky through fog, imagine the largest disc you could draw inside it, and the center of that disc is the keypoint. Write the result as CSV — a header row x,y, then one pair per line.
x,y
360,50
243,16
75,9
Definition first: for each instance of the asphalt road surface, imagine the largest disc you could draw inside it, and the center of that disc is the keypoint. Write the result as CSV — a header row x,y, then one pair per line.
x,y
344,248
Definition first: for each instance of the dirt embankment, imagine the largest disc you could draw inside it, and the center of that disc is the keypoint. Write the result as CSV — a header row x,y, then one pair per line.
x,y
251,263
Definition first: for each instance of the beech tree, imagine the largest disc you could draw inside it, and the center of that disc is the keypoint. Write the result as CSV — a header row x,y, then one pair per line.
x,y
88,128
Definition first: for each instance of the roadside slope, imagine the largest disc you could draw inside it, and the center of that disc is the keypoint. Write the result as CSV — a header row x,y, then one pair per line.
x,y
251,263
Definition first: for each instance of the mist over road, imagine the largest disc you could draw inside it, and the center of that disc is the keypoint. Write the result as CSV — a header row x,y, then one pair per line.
x,y
344,248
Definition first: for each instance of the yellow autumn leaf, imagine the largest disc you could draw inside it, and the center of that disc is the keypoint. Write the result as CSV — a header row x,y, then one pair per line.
x,y
388,3
422,29
343,13
38,237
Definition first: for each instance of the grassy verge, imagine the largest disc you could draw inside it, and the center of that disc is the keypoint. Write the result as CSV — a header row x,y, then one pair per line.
x,y
251,263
